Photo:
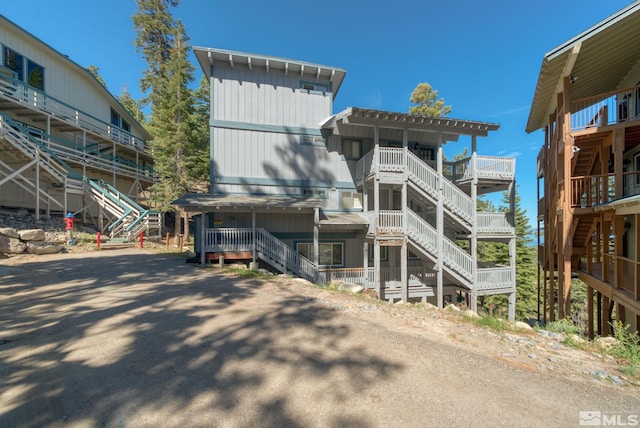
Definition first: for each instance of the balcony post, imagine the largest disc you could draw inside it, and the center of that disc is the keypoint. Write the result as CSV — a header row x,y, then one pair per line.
x,y
376,210
403,251
203,236
440,227
474,225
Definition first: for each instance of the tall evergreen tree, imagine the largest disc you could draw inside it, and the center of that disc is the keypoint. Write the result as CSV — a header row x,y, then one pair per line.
x,y
131,105
198,154
164,46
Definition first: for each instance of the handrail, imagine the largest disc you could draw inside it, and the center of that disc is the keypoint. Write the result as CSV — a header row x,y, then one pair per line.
x,y
34,98
498,222
426,236
29,146
241,239
608,108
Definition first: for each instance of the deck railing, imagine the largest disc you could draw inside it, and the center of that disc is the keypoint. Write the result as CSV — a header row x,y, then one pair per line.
x,y
593,190
495,278
15,90
389,277
242,239
390,222
609,108
499,223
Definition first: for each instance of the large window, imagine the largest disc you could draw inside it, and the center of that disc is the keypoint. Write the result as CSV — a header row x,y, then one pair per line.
x,y
329,253
33,72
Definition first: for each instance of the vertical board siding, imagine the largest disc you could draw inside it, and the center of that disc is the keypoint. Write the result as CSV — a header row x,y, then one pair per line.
x,y
258,97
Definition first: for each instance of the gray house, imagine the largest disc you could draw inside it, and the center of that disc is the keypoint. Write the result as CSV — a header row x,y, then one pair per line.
x,y
362,195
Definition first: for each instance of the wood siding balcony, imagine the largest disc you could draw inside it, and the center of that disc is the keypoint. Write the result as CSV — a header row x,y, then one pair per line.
x,y
593,190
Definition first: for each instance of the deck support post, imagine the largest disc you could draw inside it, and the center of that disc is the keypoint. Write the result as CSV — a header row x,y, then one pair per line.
x,y
203,237
590,312
512,307
253,233
440,228
316,236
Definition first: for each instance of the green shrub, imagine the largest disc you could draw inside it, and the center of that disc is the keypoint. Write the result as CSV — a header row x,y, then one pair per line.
x,y
565,326
492,323
628,345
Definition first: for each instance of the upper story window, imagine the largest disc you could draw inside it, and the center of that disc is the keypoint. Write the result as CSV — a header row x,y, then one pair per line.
x,y
352,149
35,75
25,70
14,61
351,200
115,118
313,87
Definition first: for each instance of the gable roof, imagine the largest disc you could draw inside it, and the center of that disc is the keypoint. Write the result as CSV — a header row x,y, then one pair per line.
x,y
598,59
209,56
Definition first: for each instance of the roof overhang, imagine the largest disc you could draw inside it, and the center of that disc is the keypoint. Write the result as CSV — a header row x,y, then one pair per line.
x,y
197,202
624,206
596,60
210,56
449,128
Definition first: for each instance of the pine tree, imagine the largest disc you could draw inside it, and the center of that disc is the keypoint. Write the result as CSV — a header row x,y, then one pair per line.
x,y
164,46
132,106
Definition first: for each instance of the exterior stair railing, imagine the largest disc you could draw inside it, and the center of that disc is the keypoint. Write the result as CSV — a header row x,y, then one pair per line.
x,y
130,218
268,248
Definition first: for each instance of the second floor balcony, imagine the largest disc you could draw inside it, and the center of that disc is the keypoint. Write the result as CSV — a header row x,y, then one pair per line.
x,y
17,92
610,108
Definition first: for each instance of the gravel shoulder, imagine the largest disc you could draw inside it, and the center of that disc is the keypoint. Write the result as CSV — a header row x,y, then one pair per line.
x,y
136,337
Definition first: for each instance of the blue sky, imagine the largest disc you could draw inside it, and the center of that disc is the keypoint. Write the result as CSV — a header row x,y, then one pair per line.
x,y
483,57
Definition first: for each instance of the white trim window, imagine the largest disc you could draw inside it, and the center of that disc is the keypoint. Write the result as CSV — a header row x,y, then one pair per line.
x,y
351,201
330,254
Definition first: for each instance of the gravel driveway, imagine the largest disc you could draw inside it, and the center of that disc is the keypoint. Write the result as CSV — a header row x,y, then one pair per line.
x,y
135,338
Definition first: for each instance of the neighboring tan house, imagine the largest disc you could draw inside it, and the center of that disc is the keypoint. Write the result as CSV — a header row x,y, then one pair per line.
x,y
67,145
363,196
587,102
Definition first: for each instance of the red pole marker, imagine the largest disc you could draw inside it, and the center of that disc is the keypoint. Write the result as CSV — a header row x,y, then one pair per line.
x,y
141,236
98,238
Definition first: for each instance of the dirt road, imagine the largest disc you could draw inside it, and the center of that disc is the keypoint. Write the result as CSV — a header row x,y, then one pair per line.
x,y
133,338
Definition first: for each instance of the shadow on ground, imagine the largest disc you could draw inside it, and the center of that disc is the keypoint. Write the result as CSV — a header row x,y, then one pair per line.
x,y
106,340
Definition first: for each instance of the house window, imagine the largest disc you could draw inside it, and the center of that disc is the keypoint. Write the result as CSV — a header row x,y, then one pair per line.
x,y
329,253
312,87
312,140
115,118
15,62
321,193
35,75
352,149
384,253
351,200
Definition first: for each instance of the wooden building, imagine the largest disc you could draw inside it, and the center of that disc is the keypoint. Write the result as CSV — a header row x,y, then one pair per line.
x,y
362,195
587,102
66,144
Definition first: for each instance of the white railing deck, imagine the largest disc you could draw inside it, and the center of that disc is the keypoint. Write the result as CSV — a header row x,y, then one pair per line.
x,y
495,223
37,100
